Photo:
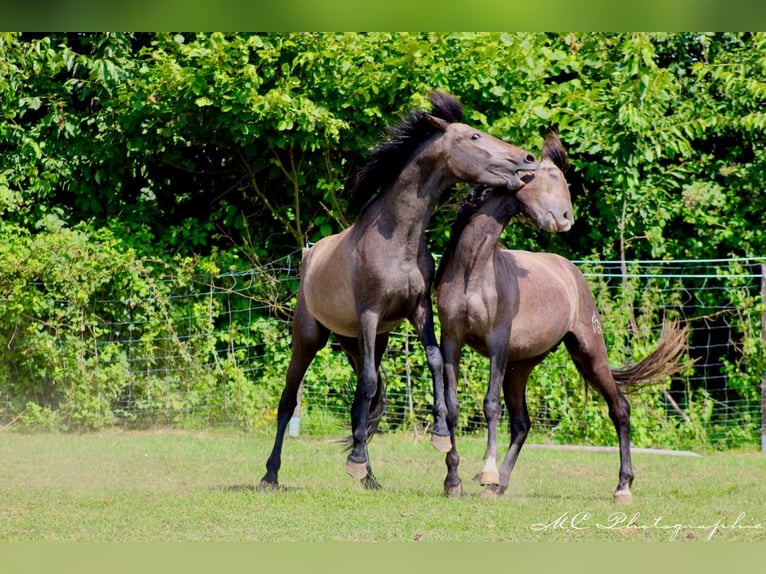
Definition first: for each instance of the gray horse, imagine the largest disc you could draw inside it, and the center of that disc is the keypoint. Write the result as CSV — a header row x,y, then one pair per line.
x,y
515,307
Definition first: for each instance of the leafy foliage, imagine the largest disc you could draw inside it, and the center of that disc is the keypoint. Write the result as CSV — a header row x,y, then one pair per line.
x,y
131,163
196,141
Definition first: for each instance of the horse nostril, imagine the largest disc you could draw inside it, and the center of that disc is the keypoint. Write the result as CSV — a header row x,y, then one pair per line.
x,y
530,158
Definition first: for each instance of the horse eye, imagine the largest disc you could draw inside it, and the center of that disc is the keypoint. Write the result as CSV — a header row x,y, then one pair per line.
x,y
475,136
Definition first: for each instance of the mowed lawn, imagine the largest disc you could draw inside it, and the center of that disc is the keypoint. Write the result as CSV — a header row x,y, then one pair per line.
x,y
199,486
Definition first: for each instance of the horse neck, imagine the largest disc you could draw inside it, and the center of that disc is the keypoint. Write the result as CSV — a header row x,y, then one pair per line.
x,y
479,239
404,209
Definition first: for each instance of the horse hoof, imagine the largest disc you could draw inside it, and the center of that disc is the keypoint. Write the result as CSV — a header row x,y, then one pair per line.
x,y
623,497
357,470
489,478
267,486
492,491
454,491
442,443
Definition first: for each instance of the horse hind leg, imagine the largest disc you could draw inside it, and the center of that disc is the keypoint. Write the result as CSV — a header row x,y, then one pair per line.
x,y
594,366
368,480
308,337
621,420
453,486
442,437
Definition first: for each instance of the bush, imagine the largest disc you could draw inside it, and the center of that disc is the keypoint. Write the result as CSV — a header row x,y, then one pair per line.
x,y
91,332
50,283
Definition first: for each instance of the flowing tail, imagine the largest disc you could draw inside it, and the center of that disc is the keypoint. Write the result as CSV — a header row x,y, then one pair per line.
x,y
377,406
665,361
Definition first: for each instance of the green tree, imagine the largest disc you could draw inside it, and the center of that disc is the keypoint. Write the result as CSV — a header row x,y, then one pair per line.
x,y
188,143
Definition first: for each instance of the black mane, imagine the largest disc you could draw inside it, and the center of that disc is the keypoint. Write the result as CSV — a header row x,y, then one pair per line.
x,y
385,162
554,150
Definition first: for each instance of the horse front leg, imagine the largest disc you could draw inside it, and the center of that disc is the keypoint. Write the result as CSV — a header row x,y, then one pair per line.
x,y
423,321
453,486
378,405
492,410
357,463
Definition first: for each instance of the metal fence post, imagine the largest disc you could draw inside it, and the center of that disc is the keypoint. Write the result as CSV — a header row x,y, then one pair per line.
x,y
763,340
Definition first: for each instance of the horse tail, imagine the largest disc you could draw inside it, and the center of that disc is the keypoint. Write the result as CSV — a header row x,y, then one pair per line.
x,y
377,406
665,361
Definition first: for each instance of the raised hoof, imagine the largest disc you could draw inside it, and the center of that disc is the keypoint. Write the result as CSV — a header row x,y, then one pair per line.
x,y
357,470
492,491
455,491
489,478
266,486
623,497
442,443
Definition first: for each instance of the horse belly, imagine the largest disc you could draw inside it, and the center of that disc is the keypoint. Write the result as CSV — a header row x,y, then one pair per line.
x,y
528,341
337,313
536,329
333,296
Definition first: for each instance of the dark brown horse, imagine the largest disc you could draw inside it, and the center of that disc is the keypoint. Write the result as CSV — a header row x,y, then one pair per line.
x,y
363,282
515,307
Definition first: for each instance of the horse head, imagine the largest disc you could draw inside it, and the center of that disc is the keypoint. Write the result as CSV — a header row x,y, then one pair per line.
x,y
475,157
545,198
445,147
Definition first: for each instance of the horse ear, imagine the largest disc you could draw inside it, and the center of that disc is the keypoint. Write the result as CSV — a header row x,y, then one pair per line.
x,y
438,123
554,150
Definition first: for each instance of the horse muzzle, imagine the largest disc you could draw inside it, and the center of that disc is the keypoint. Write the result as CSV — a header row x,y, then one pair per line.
x,y
549,222
559,224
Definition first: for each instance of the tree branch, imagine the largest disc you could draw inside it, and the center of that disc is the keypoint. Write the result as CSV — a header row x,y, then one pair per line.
x,y
294,231
337,213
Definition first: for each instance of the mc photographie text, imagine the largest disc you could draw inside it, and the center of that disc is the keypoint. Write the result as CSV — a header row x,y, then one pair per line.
x,y
579,521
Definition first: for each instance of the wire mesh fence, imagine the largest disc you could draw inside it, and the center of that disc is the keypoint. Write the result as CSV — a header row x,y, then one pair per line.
x,y
214,351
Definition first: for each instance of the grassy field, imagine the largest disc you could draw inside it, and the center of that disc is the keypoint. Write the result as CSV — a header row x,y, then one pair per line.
x,y
184,486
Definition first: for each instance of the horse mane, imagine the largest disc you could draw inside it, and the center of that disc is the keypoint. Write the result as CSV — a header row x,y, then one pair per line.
x,y
553,150
386,161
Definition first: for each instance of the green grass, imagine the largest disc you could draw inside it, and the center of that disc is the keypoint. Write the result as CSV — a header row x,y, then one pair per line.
x,y
182,486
